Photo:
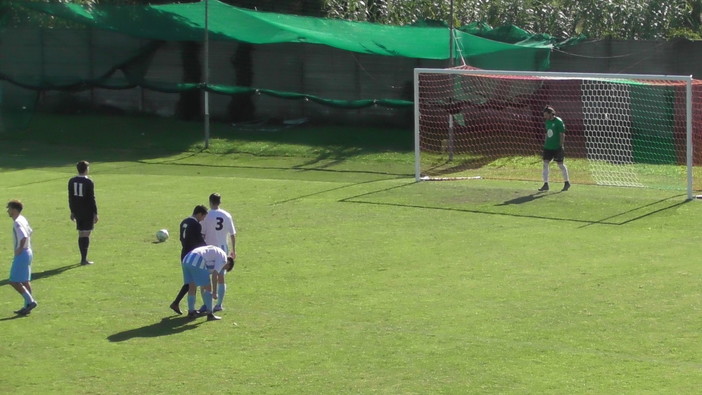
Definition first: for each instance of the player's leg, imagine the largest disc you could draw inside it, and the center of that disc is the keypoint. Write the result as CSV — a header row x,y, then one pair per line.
x,y
33,303
175,305
203,308
221,291
564,169
189,279
25,295
192,292
206,293
19,276
204,281
545,171
545,174
83,246
27,284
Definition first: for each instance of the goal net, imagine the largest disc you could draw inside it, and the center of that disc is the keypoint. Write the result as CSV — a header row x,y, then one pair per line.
x,y
621,130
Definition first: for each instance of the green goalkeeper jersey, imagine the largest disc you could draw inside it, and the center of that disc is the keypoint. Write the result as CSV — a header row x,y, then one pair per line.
x,y
554,129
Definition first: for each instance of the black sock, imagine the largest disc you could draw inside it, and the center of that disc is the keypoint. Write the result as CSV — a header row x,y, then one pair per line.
x,y
181,293
83,243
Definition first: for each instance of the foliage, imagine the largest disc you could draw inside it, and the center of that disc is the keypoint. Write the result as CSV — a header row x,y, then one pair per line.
x,y
685,33
622,19
15,15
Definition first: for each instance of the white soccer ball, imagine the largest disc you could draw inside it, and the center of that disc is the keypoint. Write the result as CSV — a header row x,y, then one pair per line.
x,y
162,235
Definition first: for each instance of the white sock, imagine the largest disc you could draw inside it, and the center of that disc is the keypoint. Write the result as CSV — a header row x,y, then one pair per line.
x,y
544,173
564,171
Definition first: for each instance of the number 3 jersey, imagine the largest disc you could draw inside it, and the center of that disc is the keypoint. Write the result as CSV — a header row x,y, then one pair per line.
x,y
216,227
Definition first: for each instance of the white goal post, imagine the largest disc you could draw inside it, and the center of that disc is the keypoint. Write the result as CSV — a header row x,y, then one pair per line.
x,y
633,130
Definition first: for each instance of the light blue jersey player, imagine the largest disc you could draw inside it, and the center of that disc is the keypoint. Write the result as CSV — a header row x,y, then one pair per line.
x,y
198,265
21,271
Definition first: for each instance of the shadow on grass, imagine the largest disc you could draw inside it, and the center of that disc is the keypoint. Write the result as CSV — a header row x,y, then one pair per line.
x,y
523,199
14,317
45,273
54,140
640,216
296,168
625,217
335,189
38,276
167,326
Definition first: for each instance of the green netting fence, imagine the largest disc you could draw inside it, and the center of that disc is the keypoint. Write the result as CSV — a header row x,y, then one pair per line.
x,y
124,61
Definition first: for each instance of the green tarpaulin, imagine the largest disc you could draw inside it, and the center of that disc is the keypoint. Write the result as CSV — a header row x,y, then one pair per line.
x,y
34,58
186,22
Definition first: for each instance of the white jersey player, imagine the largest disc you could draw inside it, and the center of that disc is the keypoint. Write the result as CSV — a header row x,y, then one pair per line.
x,y
219,231
218,227
21,270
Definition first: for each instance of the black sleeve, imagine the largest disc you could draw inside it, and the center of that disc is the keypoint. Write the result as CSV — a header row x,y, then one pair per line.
x,y
90,196
73,203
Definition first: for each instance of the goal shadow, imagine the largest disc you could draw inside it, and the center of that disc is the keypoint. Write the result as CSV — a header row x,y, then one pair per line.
x,y
516,207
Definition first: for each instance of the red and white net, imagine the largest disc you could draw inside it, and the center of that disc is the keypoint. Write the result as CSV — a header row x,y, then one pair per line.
x,y
625,132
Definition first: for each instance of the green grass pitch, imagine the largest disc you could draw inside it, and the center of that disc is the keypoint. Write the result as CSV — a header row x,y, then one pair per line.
x,y
351,277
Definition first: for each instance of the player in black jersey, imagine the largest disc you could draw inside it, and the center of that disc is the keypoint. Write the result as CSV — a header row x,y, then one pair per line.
x,y
81,201
190,238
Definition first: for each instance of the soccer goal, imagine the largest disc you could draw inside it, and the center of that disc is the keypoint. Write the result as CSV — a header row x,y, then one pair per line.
x,y
621,129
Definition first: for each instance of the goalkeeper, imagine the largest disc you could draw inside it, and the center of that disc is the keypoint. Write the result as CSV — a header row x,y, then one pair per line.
x,y
553,147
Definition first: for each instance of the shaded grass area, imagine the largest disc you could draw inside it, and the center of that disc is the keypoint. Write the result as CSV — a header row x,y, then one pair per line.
x,y
115,138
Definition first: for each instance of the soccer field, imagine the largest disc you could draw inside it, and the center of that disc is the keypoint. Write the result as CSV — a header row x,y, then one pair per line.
x,y
350,277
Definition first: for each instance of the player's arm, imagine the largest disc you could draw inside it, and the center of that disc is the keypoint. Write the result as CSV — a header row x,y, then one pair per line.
x,y
232,253
23,237
214,278
203,227
200,232
90,193
232,236
21,246
183,232
71,202
562,134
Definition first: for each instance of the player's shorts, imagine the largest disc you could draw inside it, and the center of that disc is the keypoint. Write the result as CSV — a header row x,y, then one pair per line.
x,y
21,270
554,154
194,274
85,222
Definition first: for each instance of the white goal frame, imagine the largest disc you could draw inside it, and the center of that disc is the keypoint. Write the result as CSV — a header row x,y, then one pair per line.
x,y
687,79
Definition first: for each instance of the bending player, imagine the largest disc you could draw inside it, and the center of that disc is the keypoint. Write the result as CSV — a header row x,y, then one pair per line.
x,y
198,264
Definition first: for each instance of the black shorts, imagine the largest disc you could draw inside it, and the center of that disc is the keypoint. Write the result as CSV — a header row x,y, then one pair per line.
x,y
85,223
554,154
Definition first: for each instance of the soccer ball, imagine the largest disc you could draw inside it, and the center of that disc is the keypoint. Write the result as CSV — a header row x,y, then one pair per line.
x,y
162,235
